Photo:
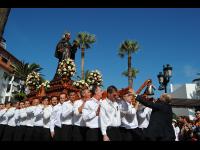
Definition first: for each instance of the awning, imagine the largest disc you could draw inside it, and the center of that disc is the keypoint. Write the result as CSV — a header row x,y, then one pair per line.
x,y
189,103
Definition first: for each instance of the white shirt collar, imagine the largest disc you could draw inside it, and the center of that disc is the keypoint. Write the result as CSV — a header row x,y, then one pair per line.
x,y
95,100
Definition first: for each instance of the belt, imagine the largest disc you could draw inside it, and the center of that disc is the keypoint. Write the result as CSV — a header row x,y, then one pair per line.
x,y
110,127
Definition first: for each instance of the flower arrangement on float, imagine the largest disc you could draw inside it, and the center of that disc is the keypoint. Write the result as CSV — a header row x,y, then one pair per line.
x,y
46,85
33,80
80,84
94,78
66,68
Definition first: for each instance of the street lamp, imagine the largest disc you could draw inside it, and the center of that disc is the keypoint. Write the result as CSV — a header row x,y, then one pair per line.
x,y
164,77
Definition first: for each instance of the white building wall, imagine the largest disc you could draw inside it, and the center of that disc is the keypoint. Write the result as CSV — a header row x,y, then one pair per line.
x,y
185,91
4,83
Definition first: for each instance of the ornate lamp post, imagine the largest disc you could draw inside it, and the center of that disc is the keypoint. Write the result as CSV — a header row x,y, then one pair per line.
x,y
164,77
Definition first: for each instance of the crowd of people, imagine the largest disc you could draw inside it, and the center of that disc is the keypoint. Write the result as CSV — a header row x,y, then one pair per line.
x,y
187,129
91,118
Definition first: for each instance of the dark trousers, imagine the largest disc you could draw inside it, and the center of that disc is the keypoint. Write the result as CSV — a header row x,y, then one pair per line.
x,y
28,136
20,133
131,134
9,133
66,134
143,135
58,134
124,135
114,133
79,133
151,138
46,135
2,128
37,133
93,134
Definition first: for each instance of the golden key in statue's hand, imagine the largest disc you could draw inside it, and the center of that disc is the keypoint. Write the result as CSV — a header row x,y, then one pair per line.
x,y
60,50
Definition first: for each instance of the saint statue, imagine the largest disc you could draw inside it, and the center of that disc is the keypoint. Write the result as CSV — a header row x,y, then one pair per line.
x,y
65,49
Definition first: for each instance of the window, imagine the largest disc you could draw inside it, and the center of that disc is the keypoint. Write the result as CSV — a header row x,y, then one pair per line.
x,y
4,60
5,75
8,88
6,98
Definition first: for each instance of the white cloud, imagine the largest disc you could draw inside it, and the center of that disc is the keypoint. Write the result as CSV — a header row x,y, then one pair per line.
x,y
190,71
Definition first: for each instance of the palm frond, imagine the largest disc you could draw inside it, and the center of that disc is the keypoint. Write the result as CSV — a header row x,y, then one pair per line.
x,y
128,46
23,69
86,74
134,73
85,39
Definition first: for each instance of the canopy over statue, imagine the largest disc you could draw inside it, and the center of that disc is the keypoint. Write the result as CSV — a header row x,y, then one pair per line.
x,y
65,49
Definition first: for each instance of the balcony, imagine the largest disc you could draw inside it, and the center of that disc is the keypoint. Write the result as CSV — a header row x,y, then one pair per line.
x,y
6,64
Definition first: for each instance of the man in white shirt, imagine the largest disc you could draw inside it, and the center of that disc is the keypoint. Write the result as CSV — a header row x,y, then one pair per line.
x,y
2,119
90,112
176,129
143,115
129,126
38,120
46,135
79,129
11,124
67,115
55,120
110,118
29,120
21,120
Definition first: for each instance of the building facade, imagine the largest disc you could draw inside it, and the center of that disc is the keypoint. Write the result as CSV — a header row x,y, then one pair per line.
x,y
186,91
9,84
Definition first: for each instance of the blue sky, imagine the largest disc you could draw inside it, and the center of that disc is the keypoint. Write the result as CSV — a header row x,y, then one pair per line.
x,y
165,35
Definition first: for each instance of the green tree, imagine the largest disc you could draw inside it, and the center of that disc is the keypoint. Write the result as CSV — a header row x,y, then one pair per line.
x,y
134,73
128,47
23,69
84,41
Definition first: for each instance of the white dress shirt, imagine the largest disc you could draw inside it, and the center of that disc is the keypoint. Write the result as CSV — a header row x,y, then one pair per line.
x,y
30,116
3,118
38,116
109,115
10,114
46,116
89,113
176,131
78,118
128,115
67,113
55,119
17,117
143,116
22,116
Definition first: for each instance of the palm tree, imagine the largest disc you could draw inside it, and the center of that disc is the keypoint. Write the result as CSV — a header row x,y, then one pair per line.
x,y
23,69
134,73
84,40
128,47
